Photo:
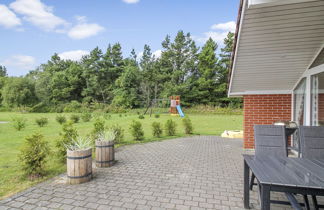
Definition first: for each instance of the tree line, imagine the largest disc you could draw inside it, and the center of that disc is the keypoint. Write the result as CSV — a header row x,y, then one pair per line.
x,y
199,76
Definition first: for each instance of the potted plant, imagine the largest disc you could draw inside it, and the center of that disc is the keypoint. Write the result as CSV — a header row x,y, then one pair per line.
x,y
105,152
79,161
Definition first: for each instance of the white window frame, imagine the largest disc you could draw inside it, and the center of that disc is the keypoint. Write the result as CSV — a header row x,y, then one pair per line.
x,y
307,74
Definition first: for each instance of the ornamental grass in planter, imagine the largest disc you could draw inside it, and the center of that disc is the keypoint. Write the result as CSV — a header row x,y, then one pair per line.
x,y
79,161
105,151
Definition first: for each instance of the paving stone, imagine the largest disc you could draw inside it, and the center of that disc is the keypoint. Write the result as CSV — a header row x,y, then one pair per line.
x,y
204,172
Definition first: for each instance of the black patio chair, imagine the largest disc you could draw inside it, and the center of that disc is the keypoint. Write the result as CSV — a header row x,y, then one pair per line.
x,y
312,147
269,140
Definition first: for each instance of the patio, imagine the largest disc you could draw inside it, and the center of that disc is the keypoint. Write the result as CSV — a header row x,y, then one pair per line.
x,y
203,172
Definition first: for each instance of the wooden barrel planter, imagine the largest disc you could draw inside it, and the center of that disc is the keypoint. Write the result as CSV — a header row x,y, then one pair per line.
x,y
79,166
105,153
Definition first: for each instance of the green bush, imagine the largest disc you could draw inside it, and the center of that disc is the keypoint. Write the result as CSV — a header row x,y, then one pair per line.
x,y
33,155
75,118
19,123
187,125
61,119
86,116
170,127
157,116
67,136
157,129
73,106
119,132
41,122
141,117
137,130
98,128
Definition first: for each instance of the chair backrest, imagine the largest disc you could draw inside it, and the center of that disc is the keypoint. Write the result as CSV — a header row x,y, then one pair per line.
x,y
311,141
270,140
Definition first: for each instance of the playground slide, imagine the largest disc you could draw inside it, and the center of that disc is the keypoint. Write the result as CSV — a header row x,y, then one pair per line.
x,y
180,111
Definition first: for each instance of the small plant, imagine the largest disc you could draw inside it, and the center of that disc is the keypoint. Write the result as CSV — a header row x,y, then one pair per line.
x,y
98,128
170,127
19,123
41,122
137,131
75,118
187,125
33,155
157,116
79,144
107,116
120,115
141,117
86,116
109,135
119,132
157,129
61,119
66,137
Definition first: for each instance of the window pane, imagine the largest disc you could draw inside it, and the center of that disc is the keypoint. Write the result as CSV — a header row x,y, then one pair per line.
x,y
318,100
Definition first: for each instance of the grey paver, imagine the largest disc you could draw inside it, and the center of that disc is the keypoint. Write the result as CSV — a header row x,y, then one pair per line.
x,y
204,172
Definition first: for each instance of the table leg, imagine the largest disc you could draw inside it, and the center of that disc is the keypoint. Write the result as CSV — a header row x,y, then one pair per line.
x,y
246,186
265,197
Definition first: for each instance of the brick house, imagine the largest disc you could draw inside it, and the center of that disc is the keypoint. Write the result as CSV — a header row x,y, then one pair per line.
x,y
278,63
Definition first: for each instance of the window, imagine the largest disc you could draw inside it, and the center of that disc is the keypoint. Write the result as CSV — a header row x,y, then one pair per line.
x,y
317,97
299,102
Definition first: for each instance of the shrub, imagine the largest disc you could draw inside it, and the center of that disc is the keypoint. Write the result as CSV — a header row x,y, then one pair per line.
x,y
75,118
86,116
68,134
157,129
73,106
19,123
170,127
137,131
33,155
41,122
119,132
98,128
141,117
187,125
107,116
157,116
61,119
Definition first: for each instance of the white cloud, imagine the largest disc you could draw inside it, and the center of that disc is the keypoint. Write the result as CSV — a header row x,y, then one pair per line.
x,y
39,14
19,64
74,55
218,33
7,18
84,30
131,1
229,26
157,53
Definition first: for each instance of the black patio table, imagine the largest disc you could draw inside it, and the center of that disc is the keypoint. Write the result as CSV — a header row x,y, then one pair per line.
x,y
290,175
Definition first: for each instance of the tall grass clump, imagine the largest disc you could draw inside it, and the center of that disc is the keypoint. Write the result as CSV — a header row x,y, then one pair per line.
x,y
86,116
79,144
187,125
41,122
75,118
137,131
19,123
157,129
33,156
170,127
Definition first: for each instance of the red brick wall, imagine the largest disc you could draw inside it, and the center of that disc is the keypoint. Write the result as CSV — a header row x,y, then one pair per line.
x,y
264,109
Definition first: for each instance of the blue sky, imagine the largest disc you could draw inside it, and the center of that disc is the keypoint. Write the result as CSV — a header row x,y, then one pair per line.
x,y
33,30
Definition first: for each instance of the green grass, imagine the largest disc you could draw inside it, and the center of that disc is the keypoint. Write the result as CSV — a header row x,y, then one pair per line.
x,y
11,177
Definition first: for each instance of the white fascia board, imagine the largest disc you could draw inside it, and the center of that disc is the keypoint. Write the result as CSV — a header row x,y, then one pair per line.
x,y
270,3
261,92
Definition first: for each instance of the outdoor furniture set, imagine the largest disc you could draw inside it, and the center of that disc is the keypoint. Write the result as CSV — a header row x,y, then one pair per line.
x,y
275,171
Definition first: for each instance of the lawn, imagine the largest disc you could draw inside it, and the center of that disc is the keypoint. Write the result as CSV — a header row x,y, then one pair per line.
x,y
11,176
